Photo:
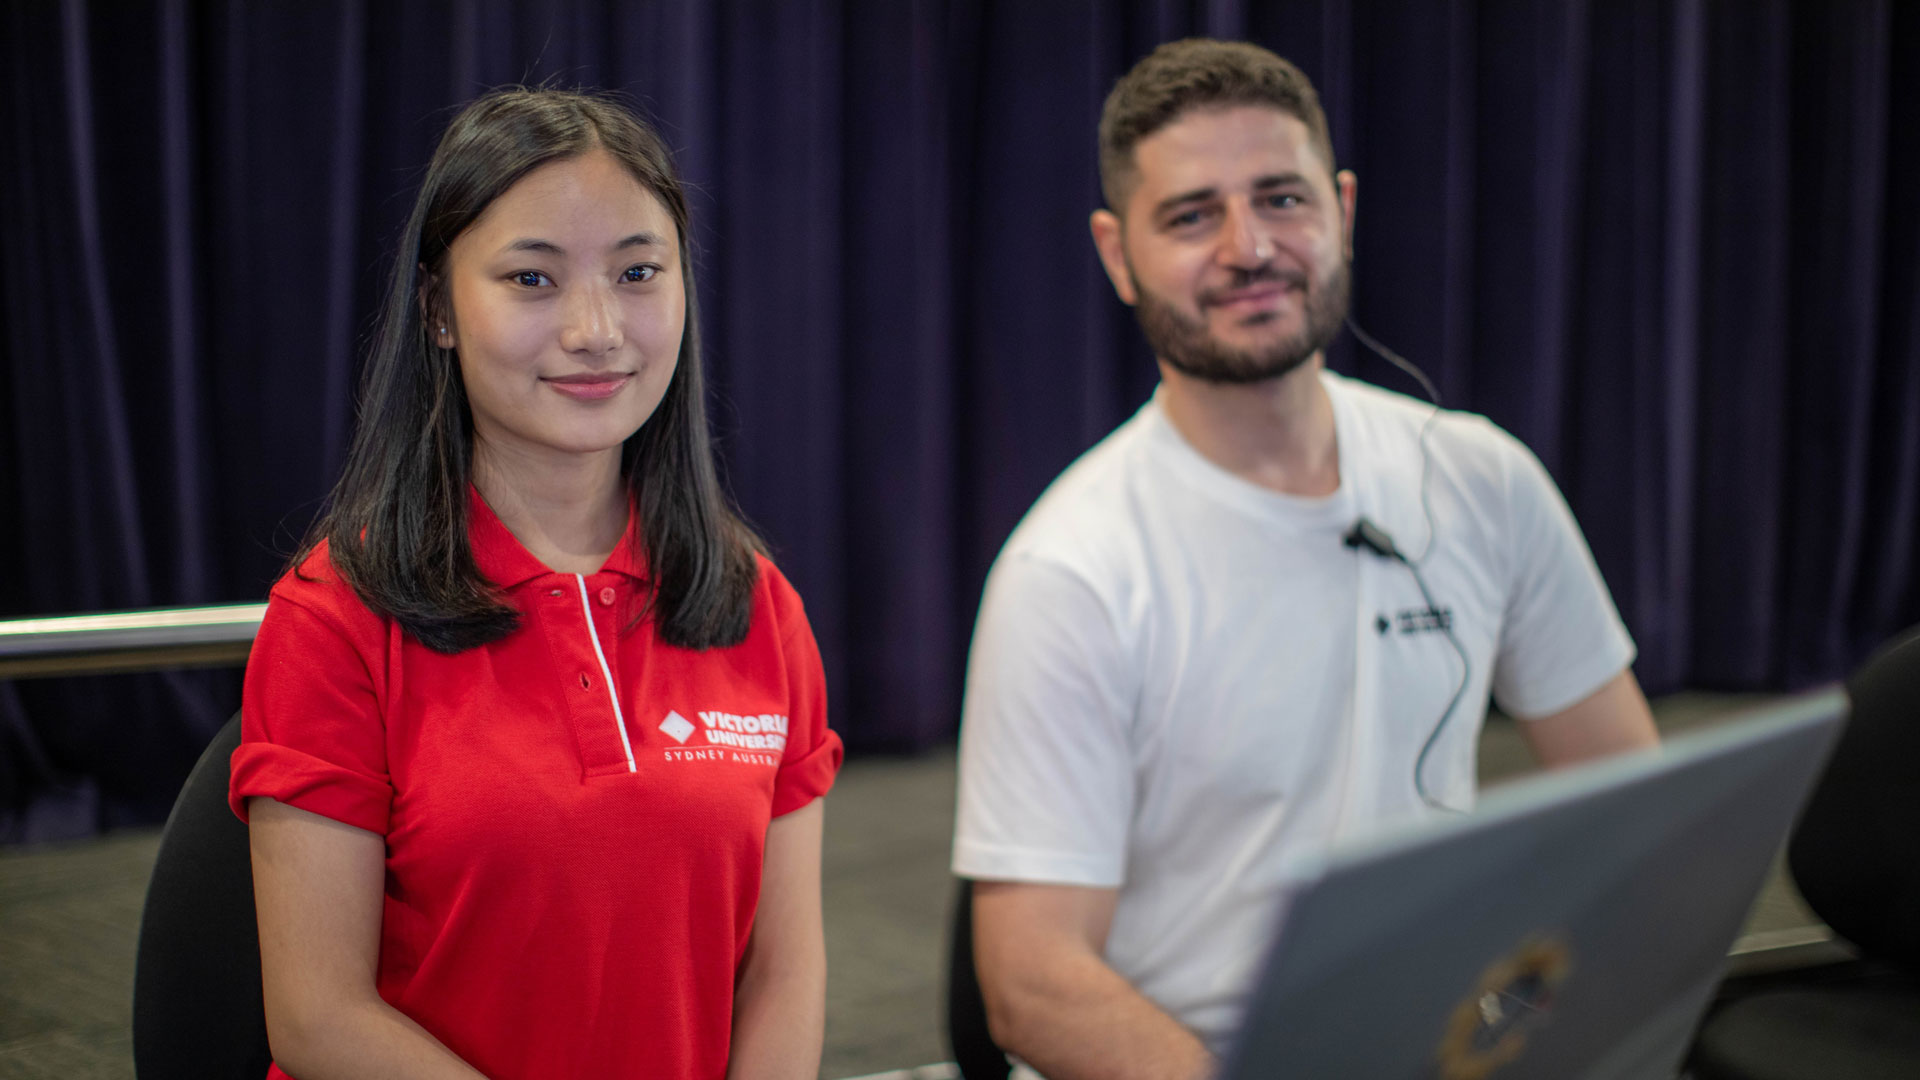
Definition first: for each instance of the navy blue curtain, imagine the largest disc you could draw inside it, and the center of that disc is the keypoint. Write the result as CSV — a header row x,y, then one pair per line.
x,y
1671,244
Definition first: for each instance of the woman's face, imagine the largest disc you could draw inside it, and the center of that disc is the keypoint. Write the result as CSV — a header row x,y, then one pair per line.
x,y
567,310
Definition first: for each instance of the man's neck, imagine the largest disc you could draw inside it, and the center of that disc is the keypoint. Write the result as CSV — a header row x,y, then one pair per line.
x,y
1278,434
570,515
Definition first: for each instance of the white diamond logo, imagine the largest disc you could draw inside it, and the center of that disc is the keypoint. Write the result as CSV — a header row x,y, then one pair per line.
x,y
677,727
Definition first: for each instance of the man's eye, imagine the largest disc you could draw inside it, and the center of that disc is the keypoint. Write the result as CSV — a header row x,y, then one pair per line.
x,y
1284,201
531,279
642,272
1183,220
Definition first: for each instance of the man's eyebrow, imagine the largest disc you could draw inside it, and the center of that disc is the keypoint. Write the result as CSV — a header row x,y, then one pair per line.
x,y
1264,183
1196,195
548,247
1285,179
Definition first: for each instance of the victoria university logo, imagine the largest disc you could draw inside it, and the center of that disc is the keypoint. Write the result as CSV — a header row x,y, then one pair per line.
x,y
756,740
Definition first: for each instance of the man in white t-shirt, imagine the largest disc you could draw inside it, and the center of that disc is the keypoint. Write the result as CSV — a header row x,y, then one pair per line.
x,y
1192,662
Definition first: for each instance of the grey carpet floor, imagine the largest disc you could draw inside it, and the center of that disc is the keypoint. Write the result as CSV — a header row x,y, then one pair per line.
x,y
69,918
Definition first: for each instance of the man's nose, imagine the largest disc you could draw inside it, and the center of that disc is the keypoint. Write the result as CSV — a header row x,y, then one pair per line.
x,y
593,321
1243,241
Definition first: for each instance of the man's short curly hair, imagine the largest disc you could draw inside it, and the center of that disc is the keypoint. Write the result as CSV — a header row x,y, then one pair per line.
x,y
1198,73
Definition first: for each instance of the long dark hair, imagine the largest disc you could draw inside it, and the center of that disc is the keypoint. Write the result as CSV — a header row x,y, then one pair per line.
x,y
396,523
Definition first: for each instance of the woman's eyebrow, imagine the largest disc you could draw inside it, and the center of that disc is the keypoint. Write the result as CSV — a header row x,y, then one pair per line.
x,y
548,247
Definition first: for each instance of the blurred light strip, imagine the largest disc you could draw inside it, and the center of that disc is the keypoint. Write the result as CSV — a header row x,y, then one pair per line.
x,y
157,628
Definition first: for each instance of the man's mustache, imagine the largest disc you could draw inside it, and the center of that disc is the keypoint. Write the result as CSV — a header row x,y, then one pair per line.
x,y
1260,275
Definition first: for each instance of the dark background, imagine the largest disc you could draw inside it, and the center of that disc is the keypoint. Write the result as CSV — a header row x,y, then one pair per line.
x,y
1674,246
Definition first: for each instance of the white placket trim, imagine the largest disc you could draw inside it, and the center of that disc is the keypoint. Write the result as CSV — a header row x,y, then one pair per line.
x,y
606,674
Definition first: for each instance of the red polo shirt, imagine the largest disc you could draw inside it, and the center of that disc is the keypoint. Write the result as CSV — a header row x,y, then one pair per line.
x,y
574,815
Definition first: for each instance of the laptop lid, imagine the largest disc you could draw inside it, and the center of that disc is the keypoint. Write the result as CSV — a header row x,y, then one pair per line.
x,y
1573,926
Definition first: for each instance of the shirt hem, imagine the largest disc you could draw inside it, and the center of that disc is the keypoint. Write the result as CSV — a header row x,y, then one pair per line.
x,y
1572,690
989,863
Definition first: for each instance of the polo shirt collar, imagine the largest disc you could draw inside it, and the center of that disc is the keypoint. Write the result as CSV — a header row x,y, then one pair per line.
x,y
503,561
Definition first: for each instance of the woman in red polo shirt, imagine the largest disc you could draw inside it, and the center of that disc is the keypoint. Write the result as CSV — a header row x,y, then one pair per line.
x,y
534,737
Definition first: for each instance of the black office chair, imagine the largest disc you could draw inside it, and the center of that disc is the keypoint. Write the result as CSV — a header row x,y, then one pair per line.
x,y
197,1009
1855,854
974,1050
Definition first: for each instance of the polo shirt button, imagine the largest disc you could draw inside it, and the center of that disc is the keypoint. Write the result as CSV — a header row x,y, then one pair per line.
x,y
606,595
554,592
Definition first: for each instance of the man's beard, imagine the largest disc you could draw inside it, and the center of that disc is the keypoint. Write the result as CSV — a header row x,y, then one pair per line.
x,y
1186,345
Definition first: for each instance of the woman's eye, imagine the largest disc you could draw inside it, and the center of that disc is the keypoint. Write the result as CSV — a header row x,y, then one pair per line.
x,y
531,279
640,273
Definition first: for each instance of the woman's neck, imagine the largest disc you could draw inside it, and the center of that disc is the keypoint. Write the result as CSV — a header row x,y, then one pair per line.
x,y
569,514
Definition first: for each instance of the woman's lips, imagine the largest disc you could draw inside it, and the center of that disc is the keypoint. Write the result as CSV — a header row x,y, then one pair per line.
x,y
589,387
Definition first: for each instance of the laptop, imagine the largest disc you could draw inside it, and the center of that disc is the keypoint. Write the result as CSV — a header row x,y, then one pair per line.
x,y
1573,927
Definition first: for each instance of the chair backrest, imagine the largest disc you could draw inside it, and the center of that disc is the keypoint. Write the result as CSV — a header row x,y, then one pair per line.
x,y
1856,852
197,1009
974,1050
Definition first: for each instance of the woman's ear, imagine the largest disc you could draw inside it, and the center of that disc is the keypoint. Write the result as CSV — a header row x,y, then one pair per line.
x,y
433,312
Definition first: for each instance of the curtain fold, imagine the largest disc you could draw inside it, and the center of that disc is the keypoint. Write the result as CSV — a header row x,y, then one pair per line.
x,y
1670,244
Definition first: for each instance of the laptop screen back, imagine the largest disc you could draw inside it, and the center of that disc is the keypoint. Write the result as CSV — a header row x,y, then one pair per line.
x,y
1573,926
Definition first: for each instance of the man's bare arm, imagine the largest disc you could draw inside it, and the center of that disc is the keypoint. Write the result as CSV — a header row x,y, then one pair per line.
x,y
1052,1000
1611,720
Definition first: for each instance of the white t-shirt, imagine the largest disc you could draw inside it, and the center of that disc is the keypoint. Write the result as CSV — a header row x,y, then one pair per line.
x,y
1180,680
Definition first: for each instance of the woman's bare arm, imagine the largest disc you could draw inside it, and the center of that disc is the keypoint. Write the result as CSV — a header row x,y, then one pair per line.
x,y
318,887
780,998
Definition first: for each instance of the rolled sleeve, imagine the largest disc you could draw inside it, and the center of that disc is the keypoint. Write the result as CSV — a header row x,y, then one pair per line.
x,y
806,779
814,750
310,783
312,732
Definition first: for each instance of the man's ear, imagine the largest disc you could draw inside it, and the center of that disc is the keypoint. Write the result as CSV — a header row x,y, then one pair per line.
x,y
1109,239
438,321
1349,185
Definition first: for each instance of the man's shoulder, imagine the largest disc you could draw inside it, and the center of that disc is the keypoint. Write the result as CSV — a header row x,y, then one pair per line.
x,y
1091,512
1466,444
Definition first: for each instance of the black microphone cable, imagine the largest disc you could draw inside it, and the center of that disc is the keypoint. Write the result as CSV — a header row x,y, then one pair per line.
x,y
1433,395
1375,539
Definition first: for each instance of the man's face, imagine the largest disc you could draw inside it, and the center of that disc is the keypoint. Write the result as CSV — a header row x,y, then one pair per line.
x,y
1234,247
